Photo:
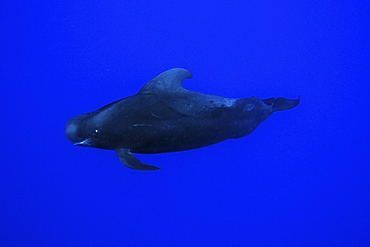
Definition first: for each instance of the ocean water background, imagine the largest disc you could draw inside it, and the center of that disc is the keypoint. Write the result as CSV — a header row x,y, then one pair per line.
x,y
301,179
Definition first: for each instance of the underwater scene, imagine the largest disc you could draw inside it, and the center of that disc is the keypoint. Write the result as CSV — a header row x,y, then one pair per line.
x,y
185,123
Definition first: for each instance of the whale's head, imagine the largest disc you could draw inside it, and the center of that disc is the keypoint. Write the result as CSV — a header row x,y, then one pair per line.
x,y
75,130
81,131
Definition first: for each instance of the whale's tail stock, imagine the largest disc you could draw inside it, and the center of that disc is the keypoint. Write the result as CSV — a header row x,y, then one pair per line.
x,y
281,104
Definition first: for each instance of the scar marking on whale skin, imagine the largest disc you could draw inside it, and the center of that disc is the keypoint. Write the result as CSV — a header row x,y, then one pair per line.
x,y
155,115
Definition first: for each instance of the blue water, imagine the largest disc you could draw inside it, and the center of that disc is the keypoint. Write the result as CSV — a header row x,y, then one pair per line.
x,y
301,179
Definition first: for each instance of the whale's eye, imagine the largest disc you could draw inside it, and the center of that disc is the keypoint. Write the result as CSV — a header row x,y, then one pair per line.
x,y
95,132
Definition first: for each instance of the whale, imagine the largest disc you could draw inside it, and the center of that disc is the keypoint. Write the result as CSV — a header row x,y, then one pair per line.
x,y
165,117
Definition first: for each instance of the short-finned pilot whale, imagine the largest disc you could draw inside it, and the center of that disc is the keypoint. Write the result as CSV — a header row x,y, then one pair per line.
x,y
165,117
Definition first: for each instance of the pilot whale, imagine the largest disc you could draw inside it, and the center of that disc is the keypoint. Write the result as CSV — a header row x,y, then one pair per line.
x,y
165,117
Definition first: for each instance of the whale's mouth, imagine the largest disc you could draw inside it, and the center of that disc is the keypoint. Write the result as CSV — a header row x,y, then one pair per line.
x,y
84,143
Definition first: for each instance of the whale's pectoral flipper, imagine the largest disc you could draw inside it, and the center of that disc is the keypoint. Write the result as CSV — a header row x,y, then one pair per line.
x,y
129,160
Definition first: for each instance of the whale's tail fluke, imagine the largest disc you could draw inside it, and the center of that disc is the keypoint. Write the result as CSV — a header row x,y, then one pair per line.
x,y
281,104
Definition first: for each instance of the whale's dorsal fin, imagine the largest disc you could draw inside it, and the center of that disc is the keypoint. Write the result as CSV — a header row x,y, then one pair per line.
x,y
168,81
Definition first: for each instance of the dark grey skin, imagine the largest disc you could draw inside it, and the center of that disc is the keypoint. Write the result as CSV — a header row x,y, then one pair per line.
x,y
165,117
